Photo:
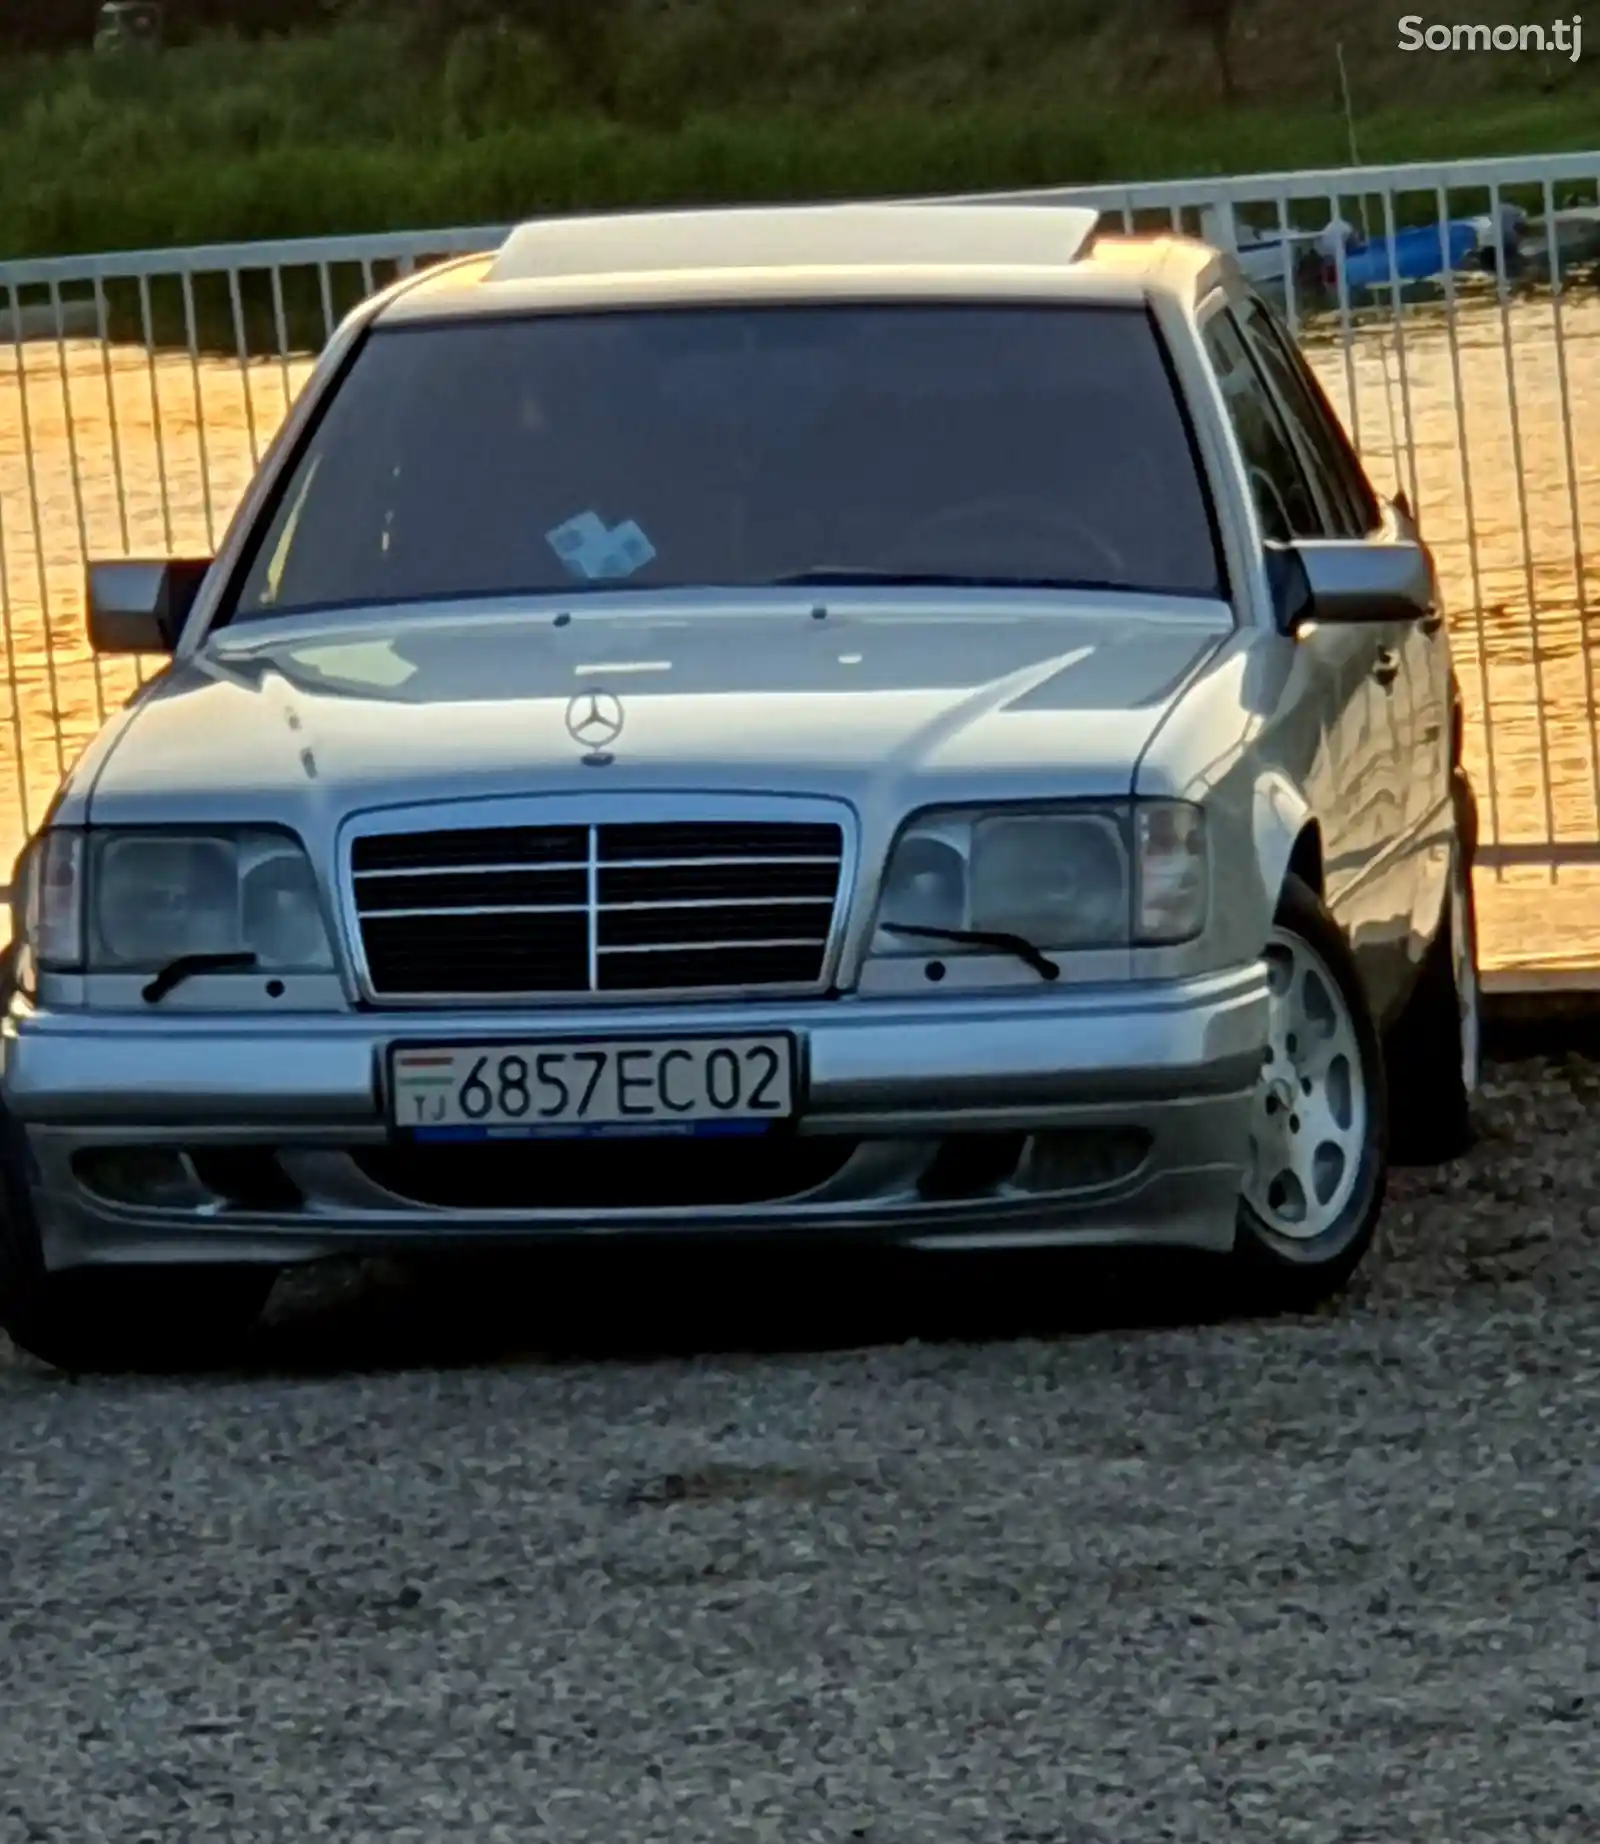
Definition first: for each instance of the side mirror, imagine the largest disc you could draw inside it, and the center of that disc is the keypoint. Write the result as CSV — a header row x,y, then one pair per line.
x,y
1345,580
141,607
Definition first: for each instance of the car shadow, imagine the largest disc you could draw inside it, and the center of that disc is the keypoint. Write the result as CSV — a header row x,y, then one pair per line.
x,y
615,1304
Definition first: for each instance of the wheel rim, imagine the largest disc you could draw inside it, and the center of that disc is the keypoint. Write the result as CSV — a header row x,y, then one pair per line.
x,y
1308,1127
1464,965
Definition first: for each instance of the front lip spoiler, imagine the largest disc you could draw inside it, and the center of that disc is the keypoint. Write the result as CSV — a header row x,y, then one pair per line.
x,y
1184,1193
1178,1060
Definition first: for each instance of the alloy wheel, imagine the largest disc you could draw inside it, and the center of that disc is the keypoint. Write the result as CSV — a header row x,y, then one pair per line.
x,y
1310,1123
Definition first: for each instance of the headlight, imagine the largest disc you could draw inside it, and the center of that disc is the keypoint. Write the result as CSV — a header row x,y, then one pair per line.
x,y
1062,879
109,901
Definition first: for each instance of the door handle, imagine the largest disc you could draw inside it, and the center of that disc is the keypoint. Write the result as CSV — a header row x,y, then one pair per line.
x,y
1387,667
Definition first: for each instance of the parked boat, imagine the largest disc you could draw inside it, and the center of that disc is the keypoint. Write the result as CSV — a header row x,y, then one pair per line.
x,y
1412,255
1310,259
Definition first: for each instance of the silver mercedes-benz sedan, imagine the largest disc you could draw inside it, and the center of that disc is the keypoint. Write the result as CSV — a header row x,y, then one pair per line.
x,y
900,722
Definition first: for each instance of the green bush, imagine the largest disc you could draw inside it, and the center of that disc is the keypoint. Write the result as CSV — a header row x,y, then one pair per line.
x,y
496,78
485,110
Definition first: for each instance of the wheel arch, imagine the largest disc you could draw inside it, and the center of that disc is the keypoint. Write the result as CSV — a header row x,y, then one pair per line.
x,y
1305,860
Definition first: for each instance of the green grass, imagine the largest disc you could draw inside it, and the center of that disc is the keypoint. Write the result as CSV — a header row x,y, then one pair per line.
x,y
706,100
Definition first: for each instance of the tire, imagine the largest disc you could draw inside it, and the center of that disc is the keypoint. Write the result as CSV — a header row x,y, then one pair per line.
x,y
142,1319
1435,1047
1319,1129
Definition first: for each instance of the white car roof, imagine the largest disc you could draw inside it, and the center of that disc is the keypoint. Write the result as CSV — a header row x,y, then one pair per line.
x,y
805,252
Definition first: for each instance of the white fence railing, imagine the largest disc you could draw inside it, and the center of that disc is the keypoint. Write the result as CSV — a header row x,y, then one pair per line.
x,y
1455,319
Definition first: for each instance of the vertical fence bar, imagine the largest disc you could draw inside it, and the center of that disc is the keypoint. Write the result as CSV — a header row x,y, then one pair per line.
x,y
41,566
191,328
103,315
241,340
114,434
280,323
1341,283
325,288
1524,520
1397,317
13,681
147,327
1574,510
1291,289
75,472
1381,345
1458,397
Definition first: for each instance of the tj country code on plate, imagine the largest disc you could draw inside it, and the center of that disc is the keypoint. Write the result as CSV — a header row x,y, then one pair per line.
x,y
691,1085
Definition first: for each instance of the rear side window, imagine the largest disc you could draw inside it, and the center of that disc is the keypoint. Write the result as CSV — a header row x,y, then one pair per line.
x,y
1284,501
744,447
1339,474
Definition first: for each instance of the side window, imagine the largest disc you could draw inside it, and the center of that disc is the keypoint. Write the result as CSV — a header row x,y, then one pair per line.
x,y
1284,500
1340,474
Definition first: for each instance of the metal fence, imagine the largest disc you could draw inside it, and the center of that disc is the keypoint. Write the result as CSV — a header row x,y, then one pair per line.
x,y
1452,311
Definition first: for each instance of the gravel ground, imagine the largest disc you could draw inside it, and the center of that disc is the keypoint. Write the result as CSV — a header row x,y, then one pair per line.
x,y
909,1569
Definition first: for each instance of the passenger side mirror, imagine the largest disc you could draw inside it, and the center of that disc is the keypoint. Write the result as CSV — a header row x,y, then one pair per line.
x,y
1345,580
136,607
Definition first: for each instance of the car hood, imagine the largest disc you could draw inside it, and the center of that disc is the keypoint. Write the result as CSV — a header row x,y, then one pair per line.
x,y
1047,695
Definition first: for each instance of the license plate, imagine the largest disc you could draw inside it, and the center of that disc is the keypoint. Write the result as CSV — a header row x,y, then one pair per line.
x,y
578,1089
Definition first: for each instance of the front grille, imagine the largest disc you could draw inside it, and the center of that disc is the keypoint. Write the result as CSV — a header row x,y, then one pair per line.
x,y
508,911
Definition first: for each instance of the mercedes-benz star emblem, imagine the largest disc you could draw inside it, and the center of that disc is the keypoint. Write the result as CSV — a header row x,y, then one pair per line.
x,y
594,720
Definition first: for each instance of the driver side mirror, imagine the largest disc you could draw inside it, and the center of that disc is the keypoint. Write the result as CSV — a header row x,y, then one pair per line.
x,y
136,607
1350,580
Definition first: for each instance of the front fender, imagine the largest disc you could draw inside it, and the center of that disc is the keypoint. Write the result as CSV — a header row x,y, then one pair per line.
x,y
1280,813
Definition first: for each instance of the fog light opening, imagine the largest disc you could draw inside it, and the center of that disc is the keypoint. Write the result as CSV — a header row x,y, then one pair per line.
x,y
246,1178
154,1177
971,1165
1082,1159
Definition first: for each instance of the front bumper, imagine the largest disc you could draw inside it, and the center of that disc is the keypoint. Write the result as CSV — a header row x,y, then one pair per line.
x,y
924,1102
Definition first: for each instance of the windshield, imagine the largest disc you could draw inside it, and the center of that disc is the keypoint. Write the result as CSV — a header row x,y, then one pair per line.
x,y
743,447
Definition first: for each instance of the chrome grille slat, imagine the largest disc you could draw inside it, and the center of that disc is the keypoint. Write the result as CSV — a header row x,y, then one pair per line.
x,y
710,947
683,864
716,902
476,870
610,909
482,909
613,908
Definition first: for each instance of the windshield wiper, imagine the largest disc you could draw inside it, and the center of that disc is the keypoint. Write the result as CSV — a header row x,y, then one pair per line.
x,y
826,575
186,966
1019,945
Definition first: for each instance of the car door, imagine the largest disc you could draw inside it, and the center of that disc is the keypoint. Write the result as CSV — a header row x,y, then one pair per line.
x,y
1420,705
1353,779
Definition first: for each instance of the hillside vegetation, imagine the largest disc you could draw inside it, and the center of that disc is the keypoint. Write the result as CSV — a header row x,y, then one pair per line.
x,y
455,111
